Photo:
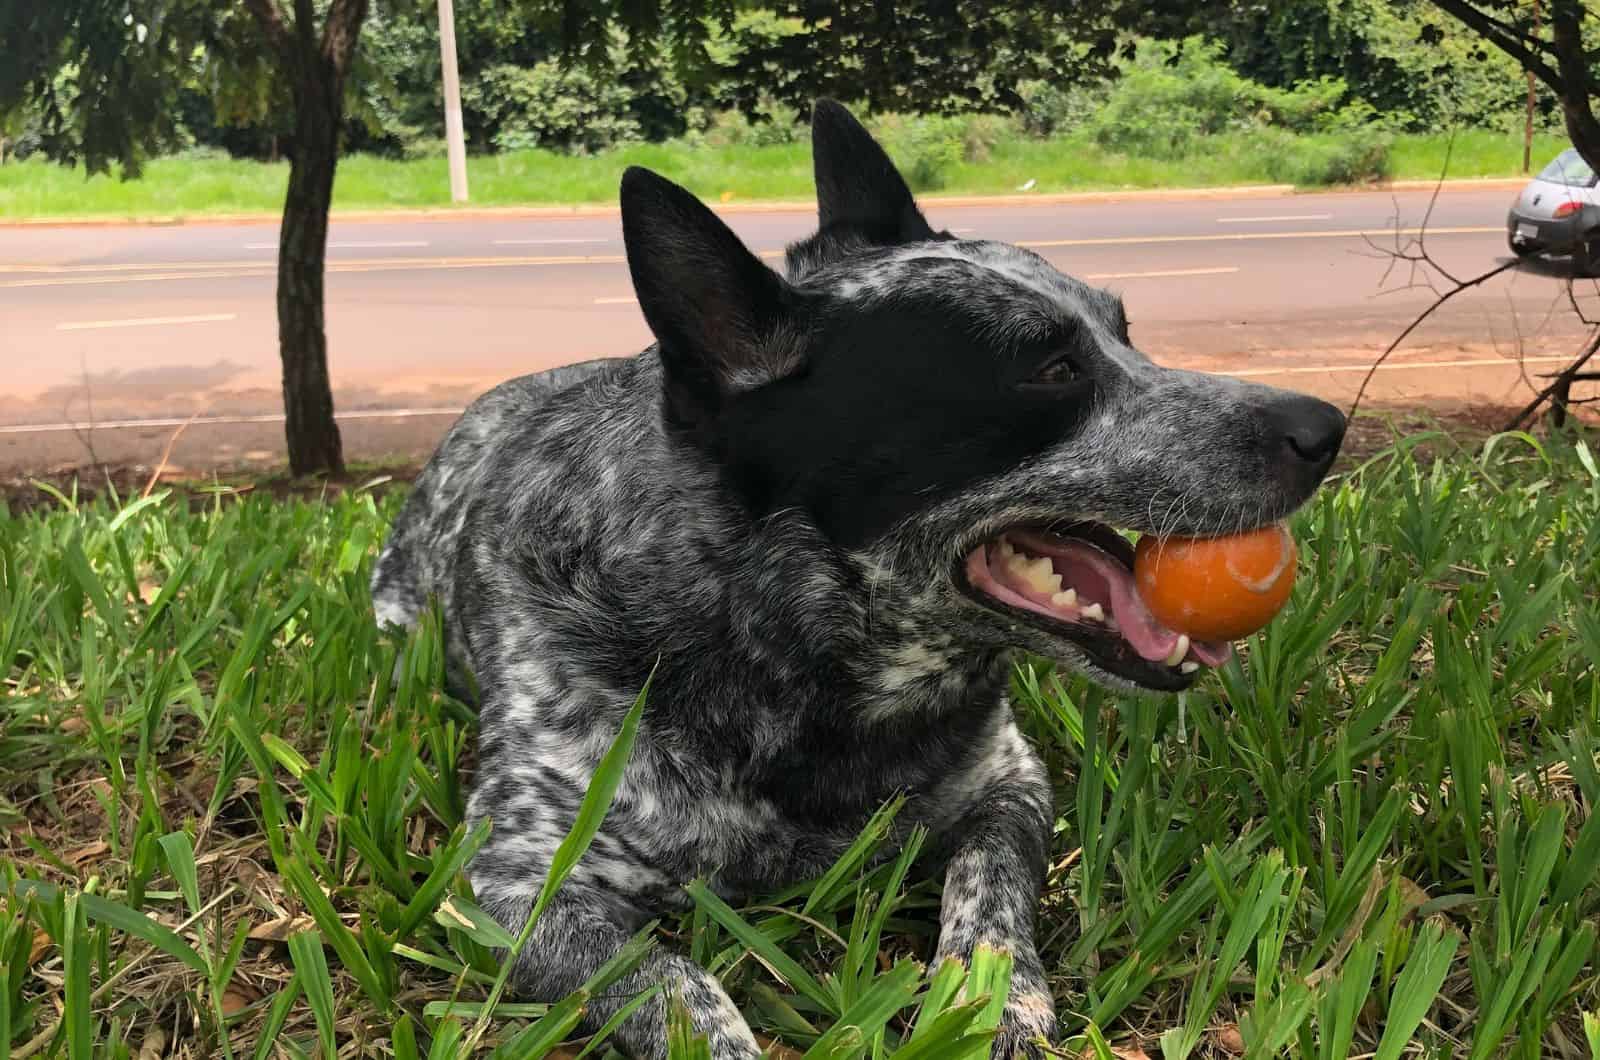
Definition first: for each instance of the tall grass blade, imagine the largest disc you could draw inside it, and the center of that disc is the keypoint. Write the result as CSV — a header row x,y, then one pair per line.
x,y
311,969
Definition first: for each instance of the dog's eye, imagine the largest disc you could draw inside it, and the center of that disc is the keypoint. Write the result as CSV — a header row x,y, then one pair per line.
x,y
1058,372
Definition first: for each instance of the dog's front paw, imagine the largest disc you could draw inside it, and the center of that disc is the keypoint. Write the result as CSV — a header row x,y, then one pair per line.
x,y
1028,1019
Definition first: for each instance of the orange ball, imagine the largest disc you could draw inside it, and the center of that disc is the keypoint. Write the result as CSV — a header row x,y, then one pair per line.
x,y
1216,588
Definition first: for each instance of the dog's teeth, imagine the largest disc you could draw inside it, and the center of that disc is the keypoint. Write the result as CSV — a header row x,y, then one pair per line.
x,y
1094,613
1040,574
1188,667
1069,598
1179,650
1007,548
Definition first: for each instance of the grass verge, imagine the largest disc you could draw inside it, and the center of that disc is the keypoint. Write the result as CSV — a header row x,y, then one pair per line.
x,y
179,186
227,832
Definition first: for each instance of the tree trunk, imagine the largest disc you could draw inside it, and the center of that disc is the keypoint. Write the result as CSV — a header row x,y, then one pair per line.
x,y
311,431
1566,25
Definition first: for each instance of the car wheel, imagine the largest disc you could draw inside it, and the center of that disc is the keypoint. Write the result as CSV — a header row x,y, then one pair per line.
x,y
1586,262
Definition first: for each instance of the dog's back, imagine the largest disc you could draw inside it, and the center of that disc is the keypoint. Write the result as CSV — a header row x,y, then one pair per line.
x,y
419,559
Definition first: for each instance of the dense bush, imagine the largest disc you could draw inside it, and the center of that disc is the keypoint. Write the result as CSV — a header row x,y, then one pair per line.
x,y
774,123
1377,47
1173,94
515,107
1049,108
1352,157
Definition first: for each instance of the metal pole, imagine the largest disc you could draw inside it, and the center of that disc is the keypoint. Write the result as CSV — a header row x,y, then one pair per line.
x,y
1527,129
455,138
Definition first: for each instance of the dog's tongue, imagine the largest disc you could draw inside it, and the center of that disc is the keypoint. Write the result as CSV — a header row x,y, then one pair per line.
x,y
1102,578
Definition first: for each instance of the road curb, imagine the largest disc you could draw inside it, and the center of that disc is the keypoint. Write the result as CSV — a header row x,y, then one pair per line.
x,y
931,202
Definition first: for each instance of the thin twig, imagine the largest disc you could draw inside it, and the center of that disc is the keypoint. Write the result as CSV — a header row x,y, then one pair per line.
x,y
1563,378
161,465
1465,285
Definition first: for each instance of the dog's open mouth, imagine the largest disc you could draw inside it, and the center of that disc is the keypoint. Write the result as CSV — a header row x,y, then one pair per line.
x,y
1077,582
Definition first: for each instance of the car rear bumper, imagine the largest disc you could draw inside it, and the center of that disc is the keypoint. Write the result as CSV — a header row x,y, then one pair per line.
x,y
1538,234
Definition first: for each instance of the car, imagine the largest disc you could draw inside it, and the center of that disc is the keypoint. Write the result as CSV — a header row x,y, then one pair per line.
x,y
1559,213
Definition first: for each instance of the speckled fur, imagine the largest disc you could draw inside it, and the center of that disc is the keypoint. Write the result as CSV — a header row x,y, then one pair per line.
x,y
576,535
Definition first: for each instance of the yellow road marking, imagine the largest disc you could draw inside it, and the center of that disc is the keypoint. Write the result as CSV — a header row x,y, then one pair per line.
x,y
183,421
1394,366
69,275
83,281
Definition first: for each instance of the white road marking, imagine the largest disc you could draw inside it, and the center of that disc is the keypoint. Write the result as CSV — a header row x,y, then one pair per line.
x,y
1224,237
1275,217
144,322
352,244
540,242
1217,270
1394,366
620,300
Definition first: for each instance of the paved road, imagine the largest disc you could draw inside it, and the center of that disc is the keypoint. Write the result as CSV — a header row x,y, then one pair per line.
x,y
154,324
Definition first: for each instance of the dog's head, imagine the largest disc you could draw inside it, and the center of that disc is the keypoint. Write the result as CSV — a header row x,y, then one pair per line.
x,y
966,422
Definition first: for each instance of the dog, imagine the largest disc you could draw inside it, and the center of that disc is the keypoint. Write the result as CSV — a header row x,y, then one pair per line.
x,y
826,509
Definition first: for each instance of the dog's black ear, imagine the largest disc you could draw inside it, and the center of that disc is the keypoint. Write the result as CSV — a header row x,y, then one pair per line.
x,y
857,184
720,315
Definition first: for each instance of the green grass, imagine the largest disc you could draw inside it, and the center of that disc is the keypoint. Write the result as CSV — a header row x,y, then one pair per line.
x,y
225,831
1473,153
179,186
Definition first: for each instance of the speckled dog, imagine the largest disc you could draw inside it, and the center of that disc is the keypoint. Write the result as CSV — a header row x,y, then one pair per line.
x,y
832,504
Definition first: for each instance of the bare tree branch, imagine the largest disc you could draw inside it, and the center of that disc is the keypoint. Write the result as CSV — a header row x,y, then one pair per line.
x,y
1464,285
1512,41
1561,384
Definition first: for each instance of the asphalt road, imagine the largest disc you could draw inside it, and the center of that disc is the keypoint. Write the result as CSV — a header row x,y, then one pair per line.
x,y
149,326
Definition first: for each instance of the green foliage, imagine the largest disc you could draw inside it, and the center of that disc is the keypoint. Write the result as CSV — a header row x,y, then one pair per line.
x,y
926,148
1418,80
1173,95
770,124
548,106
1320,159
99,81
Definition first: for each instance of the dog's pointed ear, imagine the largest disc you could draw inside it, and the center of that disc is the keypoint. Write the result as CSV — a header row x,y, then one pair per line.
x,y
722,317
857,184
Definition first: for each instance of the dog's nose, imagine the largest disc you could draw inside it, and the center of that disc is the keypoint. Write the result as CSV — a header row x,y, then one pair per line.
x,y
1311,430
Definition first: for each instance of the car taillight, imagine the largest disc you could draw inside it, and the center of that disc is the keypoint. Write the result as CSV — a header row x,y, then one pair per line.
x,y
1568,208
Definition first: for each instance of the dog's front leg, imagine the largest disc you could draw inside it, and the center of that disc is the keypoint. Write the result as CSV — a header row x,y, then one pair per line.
x,y
576,934
991,891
